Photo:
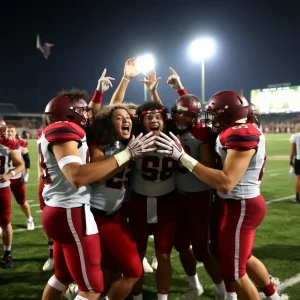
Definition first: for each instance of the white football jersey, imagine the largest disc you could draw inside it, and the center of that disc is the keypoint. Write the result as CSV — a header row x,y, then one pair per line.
x,y
6,146
109,195
185,180
153,175
244,137
58,191
295,138
22,144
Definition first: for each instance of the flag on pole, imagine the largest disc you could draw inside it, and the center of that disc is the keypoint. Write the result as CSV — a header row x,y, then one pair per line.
x,y
43,47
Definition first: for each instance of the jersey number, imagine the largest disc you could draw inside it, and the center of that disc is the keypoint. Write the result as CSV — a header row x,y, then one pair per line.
x,y
154,168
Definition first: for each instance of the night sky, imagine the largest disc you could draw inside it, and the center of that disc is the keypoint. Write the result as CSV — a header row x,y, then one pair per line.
x,y
257,44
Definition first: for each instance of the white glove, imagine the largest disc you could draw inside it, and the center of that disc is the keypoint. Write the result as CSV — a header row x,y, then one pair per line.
x,y
26,178
174,80
136,147
173,148
104,83
292,173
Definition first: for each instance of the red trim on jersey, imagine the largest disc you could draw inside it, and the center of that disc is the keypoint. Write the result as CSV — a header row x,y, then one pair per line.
x,y
39,134
97,97
182,92
201,133
23,143
245,137
11,144
63,132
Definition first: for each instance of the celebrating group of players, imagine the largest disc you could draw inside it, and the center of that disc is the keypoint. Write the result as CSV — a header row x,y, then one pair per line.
x,y
114,175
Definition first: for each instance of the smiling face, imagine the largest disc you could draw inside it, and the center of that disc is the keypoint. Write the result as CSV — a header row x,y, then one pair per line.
x,y
154,122
11,133
122,123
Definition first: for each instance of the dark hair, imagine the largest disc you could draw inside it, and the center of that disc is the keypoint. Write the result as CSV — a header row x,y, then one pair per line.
x,y
102,129
75,94
151,106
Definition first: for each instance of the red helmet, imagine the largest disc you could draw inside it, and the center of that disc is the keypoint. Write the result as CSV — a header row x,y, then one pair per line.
x,y
187,103
226,109
253,115
62,108
2,127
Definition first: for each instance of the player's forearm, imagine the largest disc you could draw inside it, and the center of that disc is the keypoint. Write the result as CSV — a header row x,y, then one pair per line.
x,y
96,102
86,174
119,94
18,167
214,178
155,97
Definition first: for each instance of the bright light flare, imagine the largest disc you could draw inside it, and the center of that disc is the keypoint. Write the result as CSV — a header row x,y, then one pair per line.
x,y
202,48
144,63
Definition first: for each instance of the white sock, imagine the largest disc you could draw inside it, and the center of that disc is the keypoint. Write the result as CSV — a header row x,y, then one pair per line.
x,y
275,296
194,281
231,296
7,248
138,297
30,218
220,287
80,298
162,296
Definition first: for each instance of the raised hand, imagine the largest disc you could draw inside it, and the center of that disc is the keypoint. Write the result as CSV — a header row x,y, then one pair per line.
x,y
171,146
141,144
104,83
174,80
129,69
151,81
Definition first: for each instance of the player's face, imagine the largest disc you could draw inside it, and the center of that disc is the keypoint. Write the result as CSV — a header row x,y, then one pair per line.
x,y
122,124
183,119
153,122
11,133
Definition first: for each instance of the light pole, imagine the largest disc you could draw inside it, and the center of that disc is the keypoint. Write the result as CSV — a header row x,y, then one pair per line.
x,y
201,49
144,63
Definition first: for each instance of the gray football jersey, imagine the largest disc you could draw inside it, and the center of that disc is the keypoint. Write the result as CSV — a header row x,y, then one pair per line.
x,y
153,175
58,191
109,195
185,180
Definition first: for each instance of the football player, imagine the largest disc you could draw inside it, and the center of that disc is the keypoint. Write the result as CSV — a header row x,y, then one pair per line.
x,y
67,218
111,132
8,152
241,147
194,197
18,182
152,206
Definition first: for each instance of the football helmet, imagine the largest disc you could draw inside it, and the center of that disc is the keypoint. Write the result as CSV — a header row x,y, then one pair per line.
x,y
253,115
62,108
226,108
187,103
2,127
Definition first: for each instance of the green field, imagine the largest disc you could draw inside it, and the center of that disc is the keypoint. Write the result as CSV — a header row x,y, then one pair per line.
x,y
277,240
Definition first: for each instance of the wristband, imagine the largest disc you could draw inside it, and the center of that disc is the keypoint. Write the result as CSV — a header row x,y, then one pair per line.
x,y
182,92
123,78
123,157
97,97
188,162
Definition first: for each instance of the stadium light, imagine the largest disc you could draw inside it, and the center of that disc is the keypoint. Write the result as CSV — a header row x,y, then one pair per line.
x,y
144,63
200,50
